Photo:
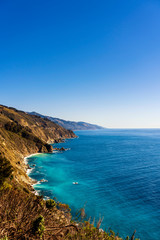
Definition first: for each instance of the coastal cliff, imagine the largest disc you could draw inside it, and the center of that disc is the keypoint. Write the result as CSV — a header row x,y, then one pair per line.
x,y
22,134
23,215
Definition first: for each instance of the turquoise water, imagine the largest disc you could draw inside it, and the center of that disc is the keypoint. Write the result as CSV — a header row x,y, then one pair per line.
x,y
119,178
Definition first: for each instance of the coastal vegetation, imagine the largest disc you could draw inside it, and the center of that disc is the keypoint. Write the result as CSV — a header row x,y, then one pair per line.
x,y
50,203
5,170
24,215
38,226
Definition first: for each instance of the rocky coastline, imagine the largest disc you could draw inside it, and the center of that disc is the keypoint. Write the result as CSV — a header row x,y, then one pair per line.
x,y
24,214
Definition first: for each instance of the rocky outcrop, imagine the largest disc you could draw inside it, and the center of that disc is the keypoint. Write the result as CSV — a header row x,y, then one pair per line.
x,y
62,149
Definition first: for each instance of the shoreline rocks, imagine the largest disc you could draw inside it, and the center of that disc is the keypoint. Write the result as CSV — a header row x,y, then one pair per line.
x,y
62,149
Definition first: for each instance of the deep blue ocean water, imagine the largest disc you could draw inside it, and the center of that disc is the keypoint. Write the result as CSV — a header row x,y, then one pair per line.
x,y
119,178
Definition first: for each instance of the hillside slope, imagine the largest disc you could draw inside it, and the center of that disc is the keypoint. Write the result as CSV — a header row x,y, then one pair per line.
x,y
72,125
22,134
23,215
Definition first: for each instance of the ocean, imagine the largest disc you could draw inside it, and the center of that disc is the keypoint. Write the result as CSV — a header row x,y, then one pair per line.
x,y
118,175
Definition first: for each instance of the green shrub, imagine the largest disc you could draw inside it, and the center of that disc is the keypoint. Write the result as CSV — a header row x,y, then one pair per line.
x,y
50,203
64,207
5,169
5,238
13,127
38,226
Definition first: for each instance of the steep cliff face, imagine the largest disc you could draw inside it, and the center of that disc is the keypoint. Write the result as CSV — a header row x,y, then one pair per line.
x,y
22,134
43,128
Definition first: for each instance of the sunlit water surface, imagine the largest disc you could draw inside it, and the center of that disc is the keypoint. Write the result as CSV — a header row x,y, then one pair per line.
x,y
118,172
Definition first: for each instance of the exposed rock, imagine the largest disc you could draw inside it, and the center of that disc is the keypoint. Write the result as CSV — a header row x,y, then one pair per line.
x,y
43,180
28,167
62,149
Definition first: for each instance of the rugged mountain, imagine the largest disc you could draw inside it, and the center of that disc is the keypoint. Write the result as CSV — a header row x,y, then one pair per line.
x,y
70,124
22,134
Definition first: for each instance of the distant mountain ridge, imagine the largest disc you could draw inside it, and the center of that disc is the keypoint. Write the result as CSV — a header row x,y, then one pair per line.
x,y
71,125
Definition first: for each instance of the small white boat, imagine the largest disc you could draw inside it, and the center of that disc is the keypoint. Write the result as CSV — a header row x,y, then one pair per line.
x,y
75,182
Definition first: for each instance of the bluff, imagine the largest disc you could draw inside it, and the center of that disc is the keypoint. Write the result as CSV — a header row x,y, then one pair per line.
x,y
22,134
23,215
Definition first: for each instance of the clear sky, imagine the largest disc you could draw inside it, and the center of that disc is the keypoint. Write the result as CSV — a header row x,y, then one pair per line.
x,y
89,60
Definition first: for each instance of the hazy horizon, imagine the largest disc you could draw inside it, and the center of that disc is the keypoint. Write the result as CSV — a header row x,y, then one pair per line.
x,y
91,61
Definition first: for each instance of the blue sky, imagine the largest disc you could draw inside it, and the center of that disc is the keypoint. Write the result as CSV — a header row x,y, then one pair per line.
x,y
94,61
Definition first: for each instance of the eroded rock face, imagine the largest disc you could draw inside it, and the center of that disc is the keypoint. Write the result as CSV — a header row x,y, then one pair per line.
x,y
59,140
46,148
62,149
